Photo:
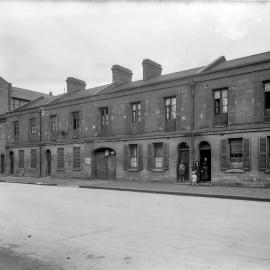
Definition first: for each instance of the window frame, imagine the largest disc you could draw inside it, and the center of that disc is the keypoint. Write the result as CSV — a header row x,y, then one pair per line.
x,y
104,116
168,111
136,112
33,164
33,127
266,110
53,126
220,117
74,161
133,159
21,159
158,156
16,131
60,151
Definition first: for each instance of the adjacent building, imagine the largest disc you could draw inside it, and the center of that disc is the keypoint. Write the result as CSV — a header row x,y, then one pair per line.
x,y
141,130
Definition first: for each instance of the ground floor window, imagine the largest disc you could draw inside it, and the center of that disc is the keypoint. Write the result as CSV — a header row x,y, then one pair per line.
x,y
60,158
21,159
158,155
33,158
133,155
235,153
76,158
264,153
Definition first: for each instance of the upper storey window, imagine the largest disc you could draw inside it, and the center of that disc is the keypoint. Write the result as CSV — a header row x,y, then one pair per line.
x,y
17,102
75,123
136,112
220,107
53,126
16,131
33,127
267,101
170,113
104,117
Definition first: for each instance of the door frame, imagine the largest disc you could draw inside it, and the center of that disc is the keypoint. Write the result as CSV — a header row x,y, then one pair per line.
x,y
205,146
48,155
184,147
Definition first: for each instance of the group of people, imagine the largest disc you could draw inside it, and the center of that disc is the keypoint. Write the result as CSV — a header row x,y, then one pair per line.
x,y
199,173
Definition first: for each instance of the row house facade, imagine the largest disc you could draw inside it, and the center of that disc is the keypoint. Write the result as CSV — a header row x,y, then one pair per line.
x,y
141,130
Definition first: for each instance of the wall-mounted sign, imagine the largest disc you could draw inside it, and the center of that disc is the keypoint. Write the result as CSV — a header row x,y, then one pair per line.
x,y
87,160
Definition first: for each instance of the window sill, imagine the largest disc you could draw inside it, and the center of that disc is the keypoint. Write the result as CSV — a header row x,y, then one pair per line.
x,y
267,171
235,171
76,169
133,170
60,170
158,170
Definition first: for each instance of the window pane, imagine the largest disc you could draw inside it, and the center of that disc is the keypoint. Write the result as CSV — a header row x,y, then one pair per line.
x,y
173,101
267,87
167,101
225,109
217,94
224,101
224,93
173,116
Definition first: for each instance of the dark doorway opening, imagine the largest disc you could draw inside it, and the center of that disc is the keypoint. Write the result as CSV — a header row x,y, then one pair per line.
x,y
2,163
183,154
48,163
11,160
104,164
205,161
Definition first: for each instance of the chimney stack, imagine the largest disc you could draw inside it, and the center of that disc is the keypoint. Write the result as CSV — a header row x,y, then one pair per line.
x,y
75,85
151,69
121,74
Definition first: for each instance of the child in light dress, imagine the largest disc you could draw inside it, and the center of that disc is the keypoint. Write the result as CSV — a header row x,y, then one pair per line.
x,y
194,179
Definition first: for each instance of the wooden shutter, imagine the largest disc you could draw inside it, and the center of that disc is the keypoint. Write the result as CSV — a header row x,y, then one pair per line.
x,y
60,158
140,157
262,153
246,154
150,156
224,154
76,158
33,158
126,157
166,156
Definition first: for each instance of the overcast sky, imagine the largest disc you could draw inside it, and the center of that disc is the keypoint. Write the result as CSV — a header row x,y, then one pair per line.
x,y
42,43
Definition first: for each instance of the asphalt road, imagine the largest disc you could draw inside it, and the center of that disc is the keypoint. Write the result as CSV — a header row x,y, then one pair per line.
x,y
57,228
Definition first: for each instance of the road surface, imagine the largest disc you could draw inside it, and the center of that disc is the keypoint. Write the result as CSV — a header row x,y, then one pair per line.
x,y
66,228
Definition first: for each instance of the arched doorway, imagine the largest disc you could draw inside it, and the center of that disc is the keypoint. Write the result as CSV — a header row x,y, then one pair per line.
x,y
2,163
205,160
183,154
48,162
11,160
104,164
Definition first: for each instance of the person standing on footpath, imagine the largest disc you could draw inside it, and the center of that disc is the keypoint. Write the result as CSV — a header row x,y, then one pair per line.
x,y
197,170
205,170
182,170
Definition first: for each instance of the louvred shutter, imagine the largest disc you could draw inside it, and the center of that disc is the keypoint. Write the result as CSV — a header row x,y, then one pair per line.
x,y
150,156
166,156
262,153
224,154
140,157
246,154
126,158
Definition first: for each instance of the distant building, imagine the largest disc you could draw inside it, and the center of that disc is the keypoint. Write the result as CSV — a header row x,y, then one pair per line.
x,y
141,130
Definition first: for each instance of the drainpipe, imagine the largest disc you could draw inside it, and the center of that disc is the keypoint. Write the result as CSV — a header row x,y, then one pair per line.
x,y
192,86
40,139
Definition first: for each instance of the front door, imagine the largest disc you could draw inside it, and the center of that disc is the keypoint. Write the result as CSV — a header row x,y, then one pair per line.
x,y
184,155
11,157
104,164
2,164
205,159
49,162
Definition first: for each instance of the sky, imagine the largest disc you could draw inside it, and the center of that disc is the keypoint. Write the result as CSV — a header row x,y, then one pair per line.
x,y
44,42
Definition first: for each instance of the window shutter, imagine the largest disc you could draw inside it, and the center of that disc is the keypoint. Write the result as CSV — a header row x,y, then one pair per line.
x,y
80,123
246,154
166,156
70,122
224,154
126,157
150,156
97,119
262,153
140,157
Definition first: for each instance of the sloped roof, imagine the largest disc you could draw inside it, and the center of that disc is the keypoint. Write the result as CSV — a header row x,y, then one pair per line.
x,y
22,93
82,94
243,61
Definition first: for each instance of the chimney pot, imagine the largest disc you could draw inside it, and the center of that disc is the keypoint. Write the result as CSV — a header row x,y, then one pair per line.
x,y
151,69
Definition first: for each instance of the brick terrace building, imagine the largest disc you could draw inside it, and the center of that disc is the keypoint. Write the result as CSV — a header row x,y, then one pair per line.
x,y
142,129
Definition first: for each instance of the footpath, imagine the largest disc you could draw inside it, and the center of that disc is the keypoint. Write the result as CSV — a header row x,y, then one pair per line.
x,y
203,190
